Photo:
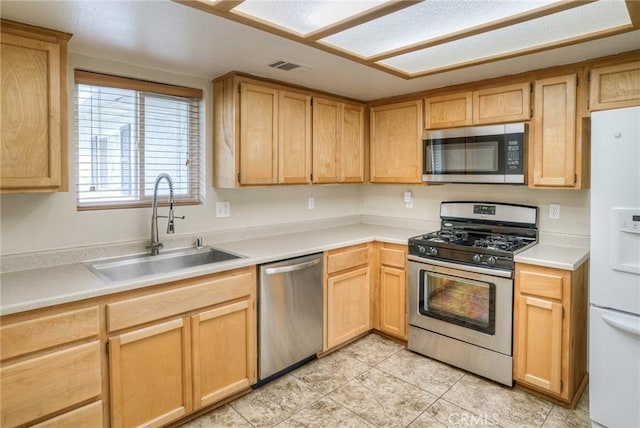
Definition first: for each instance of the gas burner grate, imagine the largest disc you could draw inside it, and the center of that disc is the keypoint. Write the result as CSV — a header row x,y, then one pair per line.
x,y
450,236
500,242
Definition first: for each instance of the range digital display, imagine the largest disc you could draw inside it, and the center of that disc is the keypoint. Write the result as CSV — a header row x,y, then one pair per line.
x,y
635,217
484,209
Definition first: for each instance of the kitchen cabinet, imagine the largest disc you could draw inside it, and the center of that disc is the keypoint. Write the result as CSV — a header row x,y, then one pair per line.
x,y
33,81
507,103
393,290
556,153
550,340
347,294
396,143
500,104
338,141
615,86
51,370
294,138
200,336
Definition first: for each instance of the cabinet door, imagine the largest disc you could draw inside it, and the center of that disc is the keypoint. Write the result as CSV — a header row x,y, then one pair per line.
x,y
396,143
616,86
223,352
258,134
393,296
31,115
502,104
553,153
150,375
352,151
448,111
327,133
538,343
294,130
347,306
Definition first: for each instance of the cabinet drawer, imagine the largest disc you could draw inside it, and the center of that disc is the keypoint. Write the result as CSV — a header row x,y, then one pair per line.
x,y
347,259
542,282
44,332
393,257
86,416
40,386
196,293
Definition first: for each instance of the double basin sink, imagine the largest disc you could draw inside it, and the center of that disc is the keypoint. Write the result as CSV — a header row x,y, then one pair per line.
x,y
133,267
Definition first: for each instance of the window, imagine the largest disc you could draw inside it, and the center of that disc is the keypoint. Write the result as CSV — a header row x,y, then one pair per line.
x,y
130,131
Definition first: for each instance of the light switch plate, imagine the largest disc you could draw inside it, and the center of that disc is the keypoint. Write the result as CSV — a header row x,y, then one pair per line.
x,y
223,209
311,203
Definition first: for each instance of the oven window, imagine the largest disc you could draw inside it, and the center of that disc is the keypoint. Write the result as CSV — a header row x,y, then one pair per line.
x,y
457,300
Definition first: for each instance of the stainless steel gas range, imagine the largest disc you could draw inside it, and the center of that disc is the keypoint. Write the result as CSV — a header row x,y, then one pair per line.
x,y
461,285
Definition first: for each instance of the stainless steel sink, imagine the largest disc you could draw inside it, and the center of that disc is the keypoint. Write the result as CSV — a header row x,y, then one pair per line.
x,y
132,267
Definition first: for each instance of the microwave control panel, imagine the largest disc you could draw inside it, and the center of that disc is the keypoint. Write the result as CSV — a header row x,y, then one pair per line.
x,y
514,155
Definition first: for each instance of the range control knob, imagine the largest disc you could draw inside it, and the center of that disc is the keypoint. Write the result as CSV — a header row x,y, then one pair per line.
x,y
477,258
433,251
422,249
491,261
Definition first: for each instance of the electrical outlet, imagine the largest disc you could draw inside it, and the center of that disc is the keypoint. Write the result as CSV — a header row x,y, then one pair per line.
x,y
311,203
554,211
223,209
408,200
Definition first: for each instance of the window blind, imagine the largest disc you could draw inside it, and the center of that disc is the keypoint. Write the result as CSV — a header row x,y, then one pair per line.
x,y
128,132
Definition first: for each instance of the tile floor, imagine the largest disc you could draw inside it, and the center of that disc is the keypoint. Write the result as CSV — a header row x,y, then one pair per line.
x,y
376,382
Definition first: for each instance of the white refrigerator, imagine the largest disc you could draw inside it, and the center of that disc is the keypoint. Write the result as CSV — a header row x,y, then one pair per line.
x,y
614,282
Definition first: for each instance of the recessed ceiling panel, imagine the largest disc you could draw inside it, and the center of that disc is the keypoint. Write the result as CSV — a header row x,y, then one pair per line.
x,y
575,22
423,21
304,16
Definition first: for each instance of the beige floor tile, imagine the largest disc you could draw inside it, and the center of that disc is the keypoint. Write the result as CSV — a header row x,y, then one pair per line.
x,y
325,413
443,414
561,417
425,373
371,349
276,401
382,399
223,416
328,373
510,407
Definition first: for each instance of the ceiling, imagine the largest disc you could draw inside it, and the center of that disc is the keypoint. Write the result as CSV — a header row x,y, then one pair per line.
x,y
169,36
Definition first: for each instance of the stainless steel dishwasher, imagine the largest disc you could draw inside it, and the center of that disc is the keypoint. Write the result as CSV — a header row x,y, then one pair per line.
x,y
289,314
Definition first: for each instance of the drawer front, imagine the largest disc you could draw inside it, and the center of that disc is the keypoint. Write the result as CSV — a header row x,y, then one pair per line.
x,y
35,388
86,416
542,282
347,259
203,292
44,332
393,257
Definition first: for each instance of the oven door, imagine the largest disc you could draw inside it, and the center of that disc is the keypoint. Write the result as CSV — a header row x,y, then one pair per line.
x,y
464,303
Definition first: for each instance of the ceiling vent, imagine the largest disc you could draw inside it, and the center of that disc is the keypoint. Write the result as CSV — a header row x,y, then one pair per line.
x,y
284,65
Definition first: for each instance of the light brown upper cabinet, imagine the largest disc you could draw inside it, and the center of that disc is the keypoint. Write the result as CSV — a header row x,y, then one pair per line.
x,y
448,111
616,86
509,103
33,75
294,138
555,155
338,142
396,143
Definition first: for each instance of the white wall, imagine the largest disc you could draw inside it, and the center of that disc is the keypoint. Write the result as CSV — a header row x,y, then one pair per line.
x,y
32,222
41,221
387,200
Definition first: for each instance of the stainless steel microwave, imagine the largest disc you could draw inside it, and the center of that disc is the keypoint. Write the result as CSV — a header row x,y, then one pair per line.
x,y
477,154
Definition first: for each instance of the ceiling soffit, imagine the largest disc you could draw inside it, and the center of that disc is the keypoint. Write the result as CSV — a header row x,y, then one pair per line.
x,y
416,38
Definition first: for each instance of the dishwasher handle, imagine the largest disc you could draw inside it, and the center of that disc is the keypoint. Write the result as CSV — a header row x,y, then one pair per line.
x,y
292,268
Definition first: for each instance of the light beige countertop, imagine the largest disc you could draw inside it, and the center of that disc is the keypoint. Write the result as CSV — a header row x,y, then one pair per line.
x,y
37,288
554,256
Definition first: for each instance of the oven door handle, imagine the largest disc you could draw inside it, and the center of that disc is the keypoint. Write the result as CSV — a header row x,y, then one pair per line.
x,y
458,266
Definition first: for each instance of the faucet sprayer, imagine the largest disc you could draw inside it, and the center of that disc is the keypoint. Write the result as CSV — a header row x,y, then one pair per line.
x,y
155,244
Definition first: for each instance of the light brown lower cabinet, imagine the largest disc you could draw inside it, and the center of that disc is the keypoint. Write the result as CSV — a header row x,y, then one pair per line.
x,y
550,331
347,294
163,371
393,290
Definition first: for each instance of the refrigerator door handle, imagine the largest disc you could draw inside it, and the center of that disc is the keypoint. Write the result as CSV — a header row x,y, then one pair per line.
x,y
622,324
